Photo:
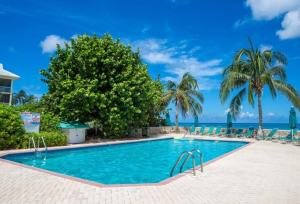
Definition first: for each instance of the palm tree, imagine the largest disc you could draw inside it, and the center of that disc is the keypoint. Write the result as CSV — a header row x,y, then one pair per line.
x,y
185,95
250,72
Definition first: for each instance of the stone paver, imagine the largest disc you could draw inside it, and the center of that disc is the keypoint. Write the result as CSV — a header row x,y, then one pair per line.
x,y
263,172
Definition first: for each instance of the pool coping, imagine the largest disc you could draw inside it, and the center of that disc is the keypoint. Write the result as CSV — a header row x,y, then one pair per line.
x,y
97,184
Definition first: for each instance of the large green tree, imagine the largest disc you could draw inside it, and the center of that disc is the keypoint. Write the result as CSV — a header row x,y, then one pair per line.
x,y
185,95
251,71
100,79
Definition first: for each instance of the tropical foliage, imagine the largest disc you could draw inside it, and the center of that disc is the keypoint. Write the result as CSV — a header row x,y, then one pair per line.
x,y
251,71
11,127
185,95
54,138
102,80
22,98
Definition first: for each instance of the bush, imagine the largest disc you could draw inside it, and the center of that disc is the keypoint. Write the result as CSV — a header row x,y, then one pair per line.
x,y
56,138
49,122
11,127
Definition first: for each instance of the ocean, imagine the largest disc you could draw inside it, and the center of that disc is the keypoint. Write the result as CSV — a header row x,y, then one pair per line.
x,y
280,126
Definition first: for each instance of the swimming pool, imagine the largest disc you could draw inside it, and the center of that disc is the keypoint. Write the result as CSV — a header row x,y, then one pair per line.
x,y
126,163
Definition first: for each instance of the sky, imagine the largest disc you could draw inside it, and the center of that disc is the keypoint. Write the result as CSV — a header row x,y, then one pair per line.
x,y
174,37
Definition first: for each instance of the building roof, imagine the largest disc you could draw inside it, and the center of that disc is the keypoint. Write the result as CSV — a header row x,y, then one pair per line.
x,y
6,74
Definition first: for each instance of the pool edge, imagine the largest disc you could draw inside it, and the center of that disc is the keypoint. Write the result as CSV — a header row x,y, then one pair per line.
x,y
98,184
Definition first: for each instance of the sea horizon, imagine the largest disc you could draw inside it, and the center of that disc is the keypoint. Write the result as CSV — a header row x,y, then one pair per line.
x,y
280,126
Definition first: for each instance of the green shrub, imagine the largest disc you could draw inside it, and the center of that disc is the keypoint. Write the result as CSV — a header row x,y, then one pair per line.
x,y
49,122
56,138
11,128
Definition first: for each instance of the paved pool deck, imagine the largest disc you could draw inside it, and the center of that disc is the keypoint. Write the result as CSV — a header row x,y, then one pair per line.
x,y
263,172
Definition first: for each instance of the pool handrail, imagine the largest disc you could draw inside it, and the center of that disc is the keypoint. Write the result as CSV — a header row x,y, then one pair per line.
x,y
200,157
36,146
180,158
190,154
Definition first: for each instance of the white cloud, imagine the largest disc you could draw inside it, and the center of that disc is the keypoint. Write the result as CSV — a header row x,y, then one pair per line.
x,y
178,61
270,9
271,114
49,44
290,25
263,47
246,114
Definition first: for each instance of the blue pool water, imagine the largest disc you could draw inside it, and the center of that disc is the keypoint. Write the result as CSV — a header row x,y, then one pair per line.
x,y
130,163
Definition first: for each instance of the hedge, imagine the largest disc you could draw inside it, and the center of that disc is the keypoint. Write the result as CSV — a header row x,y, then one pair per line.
x,y
11,128
56,138
12,133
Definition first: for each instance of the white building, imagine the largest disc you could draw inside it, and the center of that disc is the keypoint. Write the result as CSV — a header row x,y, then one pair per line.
x,y
6,85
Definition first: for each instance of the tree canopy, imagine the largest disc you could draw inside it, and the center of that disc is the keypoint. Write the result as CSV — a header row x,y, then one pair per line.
x,y
185,95
253,70
103,80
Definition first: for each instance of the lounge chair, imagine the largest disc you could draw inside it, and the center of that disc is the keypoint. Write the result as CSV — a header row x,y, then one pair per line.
x,y
192,130
287,138
271,134
217,131
249,133
202,130
228,132
210,130
239,132
296,137
197,130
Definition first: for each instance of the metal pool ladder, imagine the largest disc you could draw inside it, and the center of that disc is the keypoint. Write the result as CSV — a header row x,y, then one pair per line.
x,y
188,155
36,146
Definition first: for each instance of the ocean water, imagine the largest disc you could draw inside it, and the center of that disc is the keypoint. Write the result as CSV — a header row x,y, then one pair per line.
x,y
280,126
129,163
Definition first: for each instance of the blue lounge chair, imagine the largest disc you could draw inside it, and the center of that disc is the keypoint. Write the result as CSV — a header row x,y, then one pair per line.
x,y
202,130
287,138
192,130
217,131
239,132
272,134
228,132
210,130
296,137
249,132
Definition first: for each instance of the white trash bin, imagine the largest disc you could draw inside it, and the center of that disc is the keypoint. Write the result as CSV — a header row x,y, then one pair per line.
x,y
75,131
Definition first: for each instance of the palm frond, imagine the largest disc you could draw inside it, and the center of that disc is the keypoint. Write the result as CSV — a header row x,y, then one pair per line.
x,y
279,57
236,102
289,91
267,79
250,94
278,71
194,93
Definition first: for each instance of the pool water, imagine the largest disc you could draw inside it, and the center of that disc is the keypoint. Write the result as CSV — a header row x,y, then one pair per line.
x,y
129,163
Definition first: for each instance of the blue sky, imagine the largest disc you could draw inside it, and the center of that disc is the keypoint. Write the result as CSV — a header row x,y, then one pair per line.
x,y
174,36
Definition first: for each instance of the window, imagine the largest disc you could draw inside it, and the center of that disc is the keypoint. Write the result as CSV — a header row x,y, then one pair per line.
x,y
4,98
5,82
5,85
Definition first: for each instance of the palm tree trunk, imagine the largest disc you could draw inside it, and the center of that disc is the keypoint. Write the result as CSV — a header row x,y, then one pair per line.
x,y
260,115
176,118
